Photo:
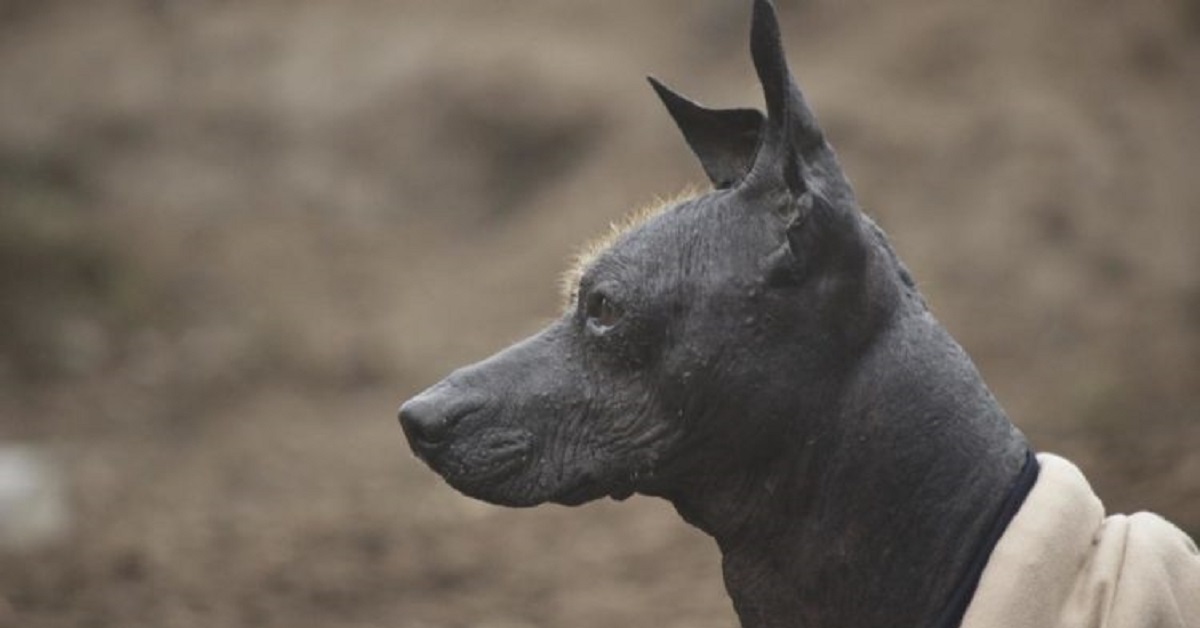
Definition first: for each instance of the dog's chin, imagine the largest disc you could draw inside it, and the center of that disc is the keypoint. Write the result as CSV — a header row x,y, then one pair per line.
x,y
515,493
496,492
525,492
510,489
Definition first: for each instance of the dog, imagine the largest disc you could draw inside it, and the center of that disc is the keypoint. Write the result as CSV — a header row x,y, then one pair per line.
x,y
759,356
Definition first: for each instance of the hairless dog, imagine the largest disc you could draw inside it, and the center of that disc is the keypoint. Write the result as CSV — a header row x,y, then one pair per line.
x,y
760,357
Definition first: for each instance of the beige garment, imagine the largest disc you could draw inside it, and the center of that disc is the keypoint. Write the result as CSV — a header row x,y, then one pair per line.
x,y
1062,563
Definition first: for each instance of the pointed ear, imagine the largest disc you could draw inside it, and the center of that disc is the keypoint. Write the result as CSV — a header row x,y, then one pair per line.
x,y
725,140
797,144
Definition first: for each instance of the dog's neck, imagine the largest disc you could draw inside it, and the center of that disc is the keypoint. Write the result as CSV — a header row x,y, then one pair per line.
x,y
872,521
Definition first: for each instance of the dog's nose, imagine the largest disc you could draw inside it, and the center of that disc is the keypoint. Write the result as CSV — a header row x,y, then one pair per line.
x,y
425,422
429,418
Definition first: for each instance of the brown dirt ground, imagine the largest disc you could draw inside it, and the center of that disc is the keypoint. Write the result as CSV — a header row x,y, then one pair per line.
x,y
303,212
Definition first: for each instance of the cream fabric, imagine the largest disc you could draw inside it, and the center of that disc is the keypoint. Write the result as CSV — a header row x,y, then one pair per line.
x,y
1061,563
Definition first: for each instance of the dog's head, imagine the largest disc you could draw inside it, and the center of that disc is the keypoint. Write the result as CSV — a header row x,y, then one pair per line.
x,y
696,341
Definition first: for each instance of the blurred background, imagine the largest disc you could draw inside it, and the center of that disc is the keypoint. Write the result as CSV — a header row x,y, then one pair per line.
x,y
234,236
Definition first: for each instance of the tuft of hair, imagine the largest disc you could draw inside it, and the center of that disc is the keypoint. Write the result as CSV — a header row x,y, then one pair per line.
x,y
592,249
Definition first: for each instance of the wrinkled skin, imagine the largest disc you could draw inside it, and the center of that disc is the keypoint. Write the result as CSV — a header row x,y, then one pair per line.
x,y
760,357
706,291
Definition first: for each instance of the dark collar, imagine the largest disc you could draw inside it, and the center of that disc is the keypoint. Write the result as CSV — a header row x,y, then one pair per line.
x,y
952,614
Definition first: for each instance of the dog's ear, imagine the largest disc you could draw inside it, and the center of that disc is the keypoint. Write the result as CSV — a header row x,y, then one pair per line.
x,y
725,140
795,148
796,156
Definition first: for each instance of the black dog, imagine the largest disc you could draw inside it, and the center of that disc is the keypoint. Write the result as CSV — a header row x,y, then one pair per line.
x,y
760,357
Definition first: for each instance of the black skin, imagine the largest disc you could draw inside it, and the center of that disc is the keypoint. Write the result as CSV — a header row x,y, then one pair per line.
x,y
759,357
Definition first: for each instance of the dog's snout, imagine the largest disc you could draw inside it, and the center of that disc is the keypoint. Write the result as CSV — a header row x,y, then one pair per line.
x,y
429,418
424,422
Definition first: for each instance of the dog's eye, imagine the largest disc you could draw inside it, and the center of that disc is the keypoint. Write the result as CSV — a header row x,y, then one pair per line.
x,y
601,312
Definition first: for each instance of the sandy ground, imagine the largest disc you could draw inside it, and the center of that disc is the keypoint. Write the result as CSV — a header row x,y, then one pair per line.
x,y
236,235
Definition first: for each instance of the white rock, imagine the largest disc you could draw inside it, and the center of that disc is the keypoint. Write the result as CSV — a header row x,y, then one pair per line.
x,y
33,499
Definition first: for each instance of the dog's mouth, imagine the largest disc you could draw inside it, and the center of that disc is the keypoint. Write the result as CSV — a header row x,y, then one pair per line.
x,y
489,458
504,466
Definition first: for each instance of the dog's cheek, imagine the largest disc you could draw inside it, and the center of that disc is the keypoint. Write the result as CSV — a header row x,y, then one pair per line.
x,y
639,435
